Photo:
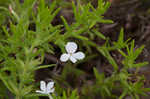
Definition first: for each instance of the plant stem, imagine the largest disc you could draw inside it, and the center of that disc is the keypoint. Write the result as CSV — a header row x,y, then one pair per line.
x,y
18,97
50,97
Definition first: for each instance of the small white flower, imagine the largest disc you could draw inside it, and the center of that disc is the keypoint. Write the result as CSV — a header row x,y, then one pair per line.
x,y
46,89
71,48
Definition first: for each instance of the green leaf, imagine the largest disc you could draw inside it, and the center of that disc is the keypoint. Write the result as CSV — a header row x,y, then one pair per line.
x,y
45,66
100,35
105,52
66,24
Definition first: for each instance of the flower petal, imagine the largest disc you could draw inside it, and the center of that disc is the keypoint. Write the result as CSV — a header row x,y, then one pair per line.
x,y
42,92
50,84
72,59
43,85
78,55
50,88
71,47
64,57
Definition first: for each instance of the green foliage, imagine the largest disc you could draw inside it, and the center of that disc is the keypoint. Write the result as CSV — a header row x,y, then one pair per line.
x,y
105,52
67,95
132,89
121,43
105,83
86,17
121,79
3,90
132,55
22,50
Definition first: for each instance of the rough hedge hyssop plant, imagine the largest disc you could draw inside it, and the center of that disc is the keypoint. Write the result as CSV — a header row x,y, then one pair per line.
x,y
27,35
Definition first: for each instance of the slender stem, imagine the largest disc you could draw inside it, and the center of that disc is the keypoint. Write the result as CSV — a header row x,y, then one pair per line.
x,y
50,97
14,13
78,4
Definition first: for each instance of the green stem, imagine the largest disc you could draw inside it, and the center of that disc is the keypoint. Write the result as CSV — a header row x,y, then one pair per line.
x,y
18,97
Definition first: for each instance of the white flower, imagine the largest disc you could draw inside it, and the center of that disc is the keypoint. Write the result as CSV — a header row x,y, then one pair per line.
x,y
71,48
46,89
